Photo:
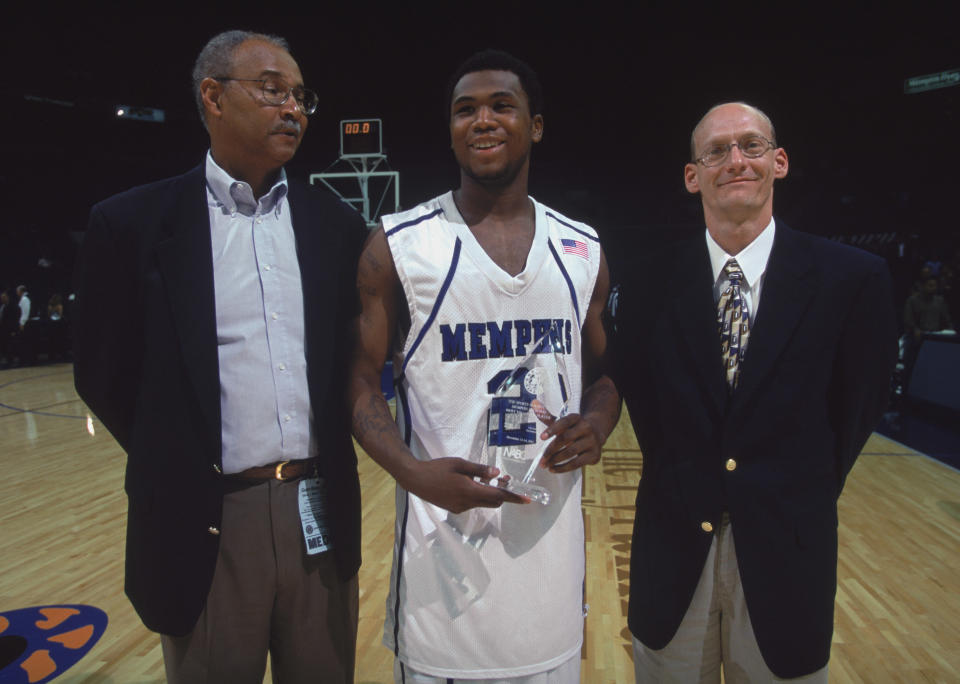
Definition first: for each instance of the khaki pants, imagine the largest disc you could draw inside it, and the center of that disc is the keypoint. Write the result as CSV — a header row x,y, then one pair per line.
x,y
268,595
715,629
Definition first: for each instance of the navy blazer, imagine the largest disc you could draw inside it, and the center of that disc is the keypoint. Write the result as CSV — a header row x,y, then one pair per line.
x,y
146,364
814,383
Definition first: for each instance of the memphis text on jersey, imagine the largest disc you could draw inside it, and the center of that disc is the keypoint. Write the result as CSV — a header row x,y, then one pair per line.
x,y
492,339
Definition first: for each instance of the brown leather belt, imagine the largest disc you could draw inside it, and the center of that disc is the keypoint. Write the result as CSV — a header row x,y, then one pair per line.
x,y
281,470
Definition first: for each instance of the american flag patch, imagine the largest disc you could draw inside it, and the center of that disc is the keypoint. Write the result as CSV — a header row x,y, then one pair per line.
x,y
576,247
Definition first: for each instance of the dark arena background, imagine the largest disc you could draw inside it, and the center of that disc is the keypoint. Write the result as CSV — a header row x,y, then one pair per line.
x,y
623,88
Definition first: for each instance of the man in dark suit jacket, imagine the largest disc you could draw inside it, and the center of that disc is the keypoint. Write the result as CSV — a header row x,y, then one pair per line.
x,y
219,367
756,447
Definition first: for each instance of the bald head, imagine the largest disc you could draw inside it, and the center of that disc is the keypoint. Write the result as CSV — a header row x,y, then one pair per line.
x,y
748,107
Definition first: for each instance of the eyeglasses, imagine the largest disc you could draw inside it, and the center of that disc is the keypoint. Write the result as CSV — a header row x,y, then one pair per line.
x,y
276,92
752,146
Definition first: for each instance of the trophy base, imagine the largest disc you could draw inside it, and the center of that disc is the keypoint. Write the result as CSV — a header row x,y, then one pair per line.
x,y
536,494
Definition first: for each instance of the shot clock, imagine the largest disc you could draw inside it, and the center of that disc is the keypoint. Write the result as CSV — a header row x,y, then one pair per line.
x,y
361,176
360,138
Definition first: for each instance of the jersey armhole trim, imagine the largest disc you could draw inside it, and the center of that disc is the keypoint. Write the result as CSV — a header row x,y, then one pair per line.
x,y
572,227
407,224
436,306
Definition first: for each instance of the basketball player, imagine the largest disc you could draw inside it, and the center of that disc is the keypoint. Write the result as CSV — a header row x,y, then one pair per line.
x,y
481,590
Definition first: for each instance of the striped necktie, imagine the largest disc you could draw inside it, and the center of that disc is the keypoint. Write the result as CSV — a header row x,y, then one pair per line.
x,y
733,319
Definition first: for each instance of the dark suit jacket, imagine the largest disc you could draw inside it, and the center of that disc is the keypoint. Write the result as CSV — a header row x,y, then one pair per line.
x,y
147,367
10,317
813,385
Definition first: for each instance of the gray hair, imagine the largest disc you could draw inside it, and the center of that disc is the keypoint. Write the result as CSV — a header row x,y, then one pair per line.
x,y
755,110
216,58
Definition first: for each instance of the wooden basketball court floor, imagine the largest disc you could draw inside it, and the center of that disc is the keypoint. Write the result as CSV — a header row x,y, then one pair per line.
x,y
62,519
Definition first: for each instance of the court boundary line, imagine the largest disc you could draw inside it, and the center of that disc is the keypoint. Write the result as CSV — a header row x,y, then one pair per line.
x,y
38,412
918,453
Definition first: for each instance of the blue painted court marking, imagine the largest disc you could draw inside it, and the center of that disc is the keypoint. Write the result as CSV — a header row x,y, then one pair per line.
x,y
40,643
36,412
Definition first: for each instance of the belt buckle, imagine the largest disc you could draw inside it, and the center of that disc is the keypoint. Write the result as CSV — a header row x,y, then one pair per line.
x,y
277,472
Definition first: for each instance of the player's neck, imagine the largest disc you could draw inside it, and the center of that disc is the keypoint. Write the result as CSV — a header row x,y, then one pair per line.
x,y
502,220
502,203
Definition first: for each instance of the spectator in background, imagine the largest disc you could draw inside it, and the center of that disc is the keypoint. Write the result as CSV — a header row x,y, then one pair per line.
x,y
57,328
925,273
926,311
9,323
55,307
24,305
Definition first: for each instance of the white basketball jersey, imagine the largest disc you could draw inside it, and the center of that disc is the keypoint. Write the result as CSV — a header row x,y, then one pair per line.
x,y
490,592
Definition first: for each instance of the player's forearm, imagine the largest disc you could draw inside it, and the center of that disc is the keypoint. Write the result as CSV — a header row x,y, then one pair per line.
x,y
378,434
600,406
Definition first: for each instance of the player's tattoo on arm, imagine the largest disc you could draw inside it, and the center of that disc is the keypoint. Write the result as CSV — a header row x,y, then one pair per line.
x,y
370,260
366,285
372,422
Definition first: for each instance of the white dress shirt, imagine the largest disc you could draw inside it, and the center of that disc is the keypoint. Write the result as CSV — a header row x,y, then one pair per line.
x,y
753,262
24,309
264,398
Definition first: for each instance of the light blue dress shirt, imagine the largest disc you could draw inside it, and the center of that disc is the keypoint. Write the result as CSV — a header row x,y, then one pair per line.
x,y
264,399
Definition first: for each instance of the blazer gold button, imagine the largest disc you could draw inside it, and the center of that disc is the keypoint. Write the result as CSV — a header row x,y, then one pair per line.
x,y
706,526
731,465
213,530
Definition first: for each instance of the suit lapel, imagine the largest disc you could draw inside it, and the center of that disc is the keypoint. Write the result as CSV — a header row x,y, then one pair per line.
x,y
317,248
788,288
185,261
313,244
695,316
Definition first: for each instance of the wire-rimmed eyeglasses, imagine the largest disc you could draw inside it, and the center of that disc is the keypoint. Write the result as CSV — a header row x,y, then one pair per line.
x,y
276,92
751,146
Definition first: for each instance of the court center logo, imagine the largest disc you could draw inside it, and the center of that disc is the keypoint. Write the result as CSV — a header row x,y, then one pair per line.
x,y
40,643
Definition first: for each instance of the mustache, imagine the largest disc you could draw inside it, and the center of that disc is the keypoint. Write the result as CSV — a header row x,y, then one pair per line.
x,y
287,127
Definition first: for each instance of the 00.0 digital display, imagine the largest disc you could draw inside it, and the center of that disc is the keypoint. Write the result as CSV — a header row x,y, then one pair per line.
x,y
360,138
355,127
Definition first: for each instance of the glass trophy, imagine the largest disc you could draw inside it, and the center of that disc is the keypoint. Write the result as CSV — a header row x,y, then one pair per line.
x,y
526,400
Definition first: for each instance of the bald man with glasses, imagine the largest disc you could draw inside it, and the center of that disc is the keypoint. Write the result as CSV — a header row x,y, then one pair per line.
x,y
753,379
219,368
